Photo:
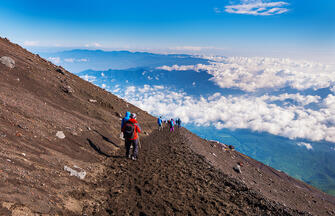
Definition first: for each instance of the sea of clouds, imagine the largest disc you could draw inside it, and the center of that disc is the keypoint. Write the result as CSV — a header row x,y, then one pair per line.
x,y
262,108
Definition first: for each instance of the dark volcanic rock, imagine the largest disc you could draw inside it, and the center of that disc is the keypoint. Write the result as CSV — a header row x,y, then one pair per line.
x,y
59,70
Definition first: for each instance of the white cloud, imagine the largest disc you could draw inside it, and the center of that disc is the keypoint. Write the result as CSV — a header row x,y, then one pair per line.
x,y
89,78
333,89
195,49
191,48
197,67
251,74
72,60
257,8
301,99
307,145
31,43
242,112
130,90
55,60
94,44
116,90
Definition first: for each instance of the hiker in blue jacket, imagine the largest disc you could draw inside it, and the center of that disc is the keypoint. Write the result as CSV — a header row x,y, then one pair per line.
x,y
130,130
159,122
171,122
124,120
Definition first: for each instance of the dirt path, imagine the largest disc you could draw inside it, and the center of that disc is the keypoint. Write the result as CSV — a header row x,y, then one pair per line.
x,y
170,179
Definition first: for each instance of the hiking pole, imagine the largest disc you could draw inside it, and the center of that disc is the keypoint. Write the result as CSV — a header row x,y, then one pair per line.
x,y
139,143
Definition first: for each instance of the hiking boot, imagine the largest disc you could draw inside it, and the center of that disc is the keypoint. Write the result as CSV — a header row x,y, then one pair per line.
x,y
133,158
128,156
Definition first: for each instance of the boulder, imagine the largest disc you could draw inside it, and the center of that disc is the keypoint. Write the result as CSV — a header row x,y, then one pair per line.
x,y
67,89
8,61
231,147
92,100
60,134
59,70
237,168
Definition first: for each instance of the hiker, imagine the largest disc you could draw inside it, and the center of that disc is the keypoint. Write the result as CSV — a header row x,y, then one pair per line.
x,y
130,130
159,122
125,119
171,122
178,122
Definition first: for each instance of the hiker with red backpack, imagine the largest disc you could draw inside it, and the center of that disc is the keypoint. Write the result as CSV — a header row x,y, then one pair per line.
x,y
130,130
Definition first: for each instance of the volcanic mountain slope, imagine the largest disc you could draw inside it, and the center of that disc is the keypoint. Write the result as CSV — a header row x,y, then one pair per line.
x,y
83,171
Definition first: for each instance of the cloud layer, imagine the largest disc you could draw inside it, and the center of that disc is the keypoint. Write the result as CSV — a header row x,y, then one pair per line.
x,y
251,74
58,60
285,114
257,8
294,99
244,112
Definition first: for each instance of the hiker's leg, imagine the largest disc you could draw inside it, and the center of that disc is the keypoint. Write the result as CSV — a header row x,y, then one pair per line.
x,y
127,145
135,147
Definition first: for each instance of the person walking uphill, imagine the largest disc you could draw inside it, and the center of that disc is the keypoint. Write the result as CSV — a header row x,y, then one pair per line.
x,y
125,119
130,130
159,122
178,122
171,122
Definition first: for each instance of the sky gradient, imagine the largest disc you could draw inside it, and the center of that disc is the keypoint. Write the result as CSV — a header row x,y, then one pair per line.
x,y
291,28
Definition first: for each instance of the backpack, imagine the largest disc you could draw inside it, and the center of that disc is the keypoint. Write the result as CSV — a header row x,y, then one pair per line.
x,y
129,130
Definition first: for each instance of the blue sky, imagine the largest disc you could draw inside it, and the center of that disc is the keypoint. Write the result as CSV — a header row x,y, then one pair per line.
x,y
288,28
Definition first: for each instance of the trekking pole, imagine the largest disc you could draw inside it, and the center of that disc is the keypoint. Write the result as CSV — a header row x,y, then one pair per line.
x,y
139,142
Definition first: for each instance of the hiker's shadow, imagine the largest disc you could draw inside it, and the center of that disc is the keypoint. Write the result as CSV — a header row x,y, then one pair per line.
x,y
107,139
97,149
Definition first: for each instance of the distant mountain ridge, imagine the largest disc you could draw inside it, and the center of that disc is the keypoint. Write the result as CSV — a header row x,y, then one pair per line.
x,y
78,60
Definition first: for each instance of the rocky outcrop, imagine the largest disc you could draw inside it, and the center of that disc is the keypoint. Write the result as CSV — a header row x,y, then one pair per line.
x,y
8,61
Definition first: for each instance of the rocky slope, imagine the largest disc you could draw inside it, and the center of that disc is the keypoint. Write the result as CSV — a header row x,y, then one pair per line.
x,y
61,154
